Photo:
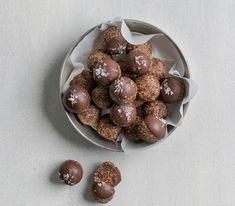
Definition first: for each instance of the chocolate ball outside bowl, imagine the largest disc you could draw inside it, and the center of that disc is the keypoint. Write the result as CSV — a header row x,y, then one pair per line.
x,y
102,192
108,172
123,114
151,129
157,108
95,57
70,172
172,90
148,87
145,47
100,96
138,62
123,90
106,128
76,99
84,79
158,69
91,116
106,71
131,131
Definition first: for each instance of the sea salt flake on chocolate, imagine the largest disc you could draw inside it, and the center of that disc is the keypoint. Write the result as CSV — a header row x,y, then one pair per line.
x,y
167,89
140,61
101,72
73,98
119,86
66,177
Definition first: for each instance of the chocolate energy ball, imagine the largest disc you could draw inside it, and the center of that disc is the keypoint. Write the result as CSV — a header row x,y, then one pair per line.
x,y
106,71
158,69
116,45
157,108
148,87
76,99
95,57
107,129
91,116
131,132
107,172
85,80
123,114
172,90
146,47
151,129
102,192
100,96
113,41
123,90
138,62
70,172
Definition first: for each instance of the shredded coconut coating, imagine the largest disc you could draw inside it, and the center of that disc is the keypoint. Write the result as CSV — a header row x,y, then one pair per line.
x,y
84,80
146,47
158,69
91,116
148,87
110,33
107,129
157,108
95,57
107,172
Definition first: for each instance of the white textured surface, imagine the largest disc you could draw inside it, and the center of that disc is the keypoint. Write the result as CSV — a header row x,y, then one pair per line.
x,y
195,167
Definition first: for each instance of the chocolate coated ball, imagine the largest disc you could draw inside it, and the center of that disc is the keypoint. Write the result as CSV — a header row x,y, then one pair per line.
x,y
123,90
70,172
151,129
76,99
123,114
138,62
106,71
116,45
172,90
102,192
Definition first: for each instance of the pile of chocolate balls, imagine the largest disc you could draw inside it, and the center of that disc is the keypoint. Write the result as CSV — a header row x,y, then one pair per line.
x,y
124,89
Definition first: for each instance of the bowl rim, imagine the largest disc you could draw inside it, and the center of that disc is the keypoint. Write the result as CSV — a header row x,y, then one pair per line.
x,y
128,21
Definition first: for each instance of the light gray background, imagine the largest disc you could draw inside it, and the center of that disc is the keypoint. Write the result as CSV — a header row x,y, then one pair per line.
x,y
195,166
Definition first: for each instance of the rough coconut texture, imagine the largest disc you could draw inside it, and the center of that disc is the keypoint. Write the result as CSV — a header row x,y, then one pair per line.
x,y
148,87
